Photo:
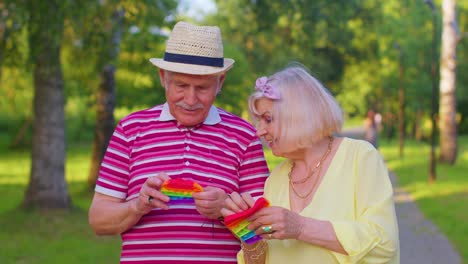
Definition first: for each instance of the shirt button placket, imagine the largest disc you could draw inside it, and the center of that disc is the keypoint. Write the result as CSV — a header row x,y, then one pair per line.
x,y
187,147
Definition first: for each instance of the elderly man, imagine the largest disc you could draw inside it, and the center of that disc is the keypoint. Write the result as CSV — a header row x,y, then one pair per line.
x,y
185,138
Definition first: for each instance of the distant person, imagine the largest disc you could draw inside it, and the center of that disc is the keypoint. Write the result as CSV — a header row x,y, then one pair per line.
x,y
378,121
331,200
371,128
186,137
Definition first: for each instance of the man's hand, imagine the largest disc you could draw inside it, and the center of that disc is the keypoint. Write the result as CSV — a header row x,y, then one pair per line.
x,y
210,202
150,196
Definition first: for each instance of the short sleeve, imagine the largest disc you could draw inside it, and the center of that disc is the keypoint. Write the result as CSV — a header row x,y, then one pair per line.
x,y
114,171
253,170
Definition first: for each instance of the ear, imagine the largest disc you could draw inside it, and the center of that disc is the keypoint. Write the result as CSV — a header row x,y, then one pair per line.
x,y
162,78
222,77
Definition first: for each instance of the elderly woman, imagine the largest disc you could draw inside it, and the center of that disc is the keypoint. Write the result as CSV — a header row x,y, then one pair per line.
x,y
331,200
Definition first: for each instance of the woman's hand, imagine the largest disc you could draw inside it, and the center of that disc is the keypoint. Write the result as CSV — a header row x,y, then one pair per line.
x,y
236,202
277,222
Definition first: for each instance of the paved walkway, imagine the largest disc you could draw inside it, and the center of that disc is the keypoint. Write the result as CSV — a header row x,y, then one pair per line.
x,y
420,240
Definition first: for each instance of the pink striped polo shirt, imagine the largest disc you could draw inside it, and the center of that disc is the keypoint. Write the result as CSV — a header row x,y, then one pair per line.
x,y
222,152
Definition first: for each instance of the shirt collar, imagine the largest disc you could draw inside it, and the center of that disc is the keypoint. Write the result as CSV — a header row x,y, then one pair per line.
x,y
212,118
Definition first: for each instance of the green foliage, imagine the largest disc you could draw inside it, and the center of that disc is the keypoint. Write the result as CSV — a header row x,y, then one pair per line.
x,y
238,84
13,47
352,53
45,14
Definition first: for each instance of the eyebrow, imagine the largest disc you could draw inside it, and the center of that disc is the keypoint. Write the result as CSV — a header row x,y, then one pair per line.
x,y
264,113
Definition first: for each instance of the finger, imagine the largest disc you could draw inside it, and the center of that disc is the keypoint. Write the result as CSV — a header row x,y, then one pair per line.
x,y
152,186
231,205
158,203
205,195
210,193
248,199
203,204
258,223
268,236
266,229
265,215
226,212
163,176
239,201
154,182
158,195
147,191
157,181
142,203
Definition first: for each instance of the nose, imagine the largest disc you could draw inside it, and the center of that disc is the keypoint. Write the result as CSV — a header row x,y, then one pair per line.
x,y
261,131
190,96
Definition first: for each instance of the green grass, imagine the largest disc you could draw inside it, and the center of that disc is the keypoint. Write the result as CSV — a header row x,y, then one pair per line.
x,y
444,202
52,236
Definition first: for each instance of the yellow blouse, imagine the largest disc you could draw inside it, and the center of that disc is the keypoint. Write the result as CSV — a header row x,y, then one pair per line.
x,y
356,196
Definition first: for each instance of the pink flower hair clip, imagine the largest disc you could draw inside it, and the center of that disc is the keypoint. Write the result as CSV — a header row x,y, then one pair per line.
x,y
266,89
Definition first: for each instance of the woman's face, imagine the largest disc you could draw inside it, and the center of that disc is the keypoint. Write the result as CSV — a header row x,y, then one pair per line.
x,y
265,123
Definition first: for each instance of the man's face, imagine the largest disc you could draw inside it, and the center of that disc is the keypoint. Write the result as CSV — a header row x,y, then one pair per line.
x,y
190,97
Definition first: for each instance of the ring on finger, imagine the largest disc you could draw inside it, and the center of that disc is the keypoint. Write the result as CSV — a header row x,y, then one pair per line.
x,y
267,229
150,198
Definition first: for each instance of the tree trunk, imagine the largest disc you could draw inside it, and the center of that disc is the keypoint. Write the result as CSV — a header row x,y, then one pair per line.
x,y
447,103
418,129
106,101
401,107
47,186
104,121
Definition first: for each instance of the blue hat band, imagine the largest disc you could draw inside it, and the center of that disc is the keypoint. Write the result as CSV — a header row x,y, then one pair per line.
x,y
191,59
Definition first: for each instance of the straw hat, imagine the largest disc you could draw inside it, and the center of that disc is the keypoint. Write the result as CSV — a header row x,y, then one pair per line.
x,y
194,50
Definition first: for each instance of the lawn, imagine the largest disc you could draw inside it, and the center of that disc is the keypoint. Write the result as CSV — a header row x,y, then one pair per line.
x,y
49,237
65,237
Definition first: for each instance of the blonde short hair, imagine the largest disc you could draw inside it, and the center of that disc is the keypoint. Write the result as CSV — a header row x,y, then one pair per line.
x,y
306,111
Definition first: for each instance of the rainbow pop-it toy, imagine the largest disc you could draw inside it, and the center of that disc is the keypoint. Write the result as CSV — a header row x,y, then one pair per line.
x,y
180,190
238,223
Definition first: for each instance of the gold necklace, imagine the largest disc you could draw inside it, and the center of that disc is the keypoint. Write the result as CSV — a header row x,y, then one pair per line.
x,y
330,143
318,166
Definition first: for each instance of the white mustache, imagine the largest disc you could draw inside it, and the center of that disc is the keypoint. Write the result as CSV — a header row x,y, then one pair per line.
x,y
188,107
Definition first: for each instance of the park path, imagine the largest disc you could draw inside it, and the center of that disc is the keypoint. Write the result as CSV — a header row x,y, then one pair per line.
x,y
420,241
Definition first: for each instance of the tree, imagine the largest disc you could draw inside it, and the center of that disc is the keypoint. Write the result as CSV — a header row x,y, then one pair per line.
x,y
105,95
47,186
107,36
447,100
